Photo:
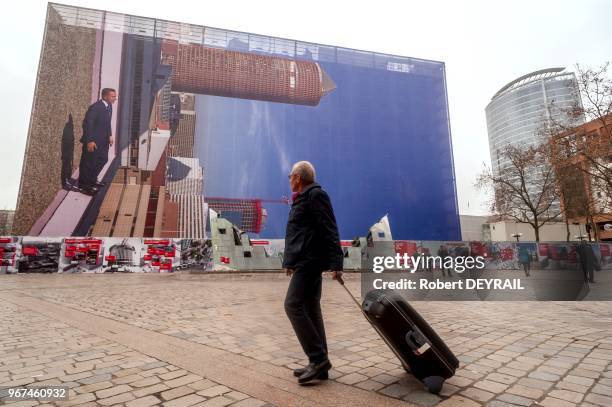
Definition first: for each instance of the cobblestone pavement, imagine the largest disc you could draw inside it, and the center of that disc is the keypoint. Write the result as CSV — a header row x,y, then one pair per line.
x,y
35,350
511,353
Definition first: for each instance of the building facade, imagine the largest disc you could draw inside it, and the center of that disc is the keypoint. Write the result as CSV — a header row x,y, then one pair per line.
x,y
583,163
6,222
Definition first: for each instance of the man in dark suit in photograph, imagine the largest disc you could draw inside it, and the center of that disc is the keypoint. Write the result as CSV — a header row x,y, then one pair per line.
x,y
97,138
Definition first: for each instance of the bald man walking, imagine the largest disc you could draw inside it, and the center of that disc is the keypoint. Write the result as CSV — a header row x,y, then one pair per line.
x,y
312,245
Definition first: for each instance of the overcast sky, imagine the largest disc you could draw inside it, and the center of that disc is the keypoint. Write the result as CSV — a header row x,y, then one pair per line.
x,y
484,44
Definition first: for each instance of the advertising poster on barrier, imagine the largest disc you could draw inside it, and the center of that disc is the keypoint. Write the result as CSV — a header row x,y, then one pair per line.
x,y
39,254
123,255
161,255
558,256
605,253
10,251
82,255
196,255
502,256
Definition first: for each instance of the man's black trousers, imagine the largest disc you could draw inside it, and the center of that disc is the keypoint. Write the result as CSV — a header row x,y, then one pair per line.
x,y
91,164
303,307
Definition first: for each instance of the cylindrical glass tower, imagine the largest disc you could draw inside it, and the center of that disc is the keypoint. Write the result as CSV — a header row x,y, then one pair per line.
x,y
521,109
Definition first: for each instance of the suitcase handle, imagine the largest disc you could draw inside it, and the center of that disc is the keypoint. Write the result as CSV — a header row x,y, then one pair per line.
x,y
351,295
414,340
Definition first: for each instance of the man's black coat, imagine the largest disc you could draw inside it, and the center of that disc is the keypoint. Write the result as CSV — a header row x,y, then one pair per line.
x,y
96,128
97,124
312,240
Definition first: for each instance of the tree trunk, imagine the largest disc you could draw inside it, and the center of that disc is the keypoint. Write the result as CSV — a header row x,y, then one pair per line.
x,y
594,229
567,229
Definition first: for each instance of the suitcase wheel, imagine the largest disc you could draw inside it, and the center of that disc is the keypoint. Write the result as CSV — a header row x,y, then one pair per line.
x,y
433,384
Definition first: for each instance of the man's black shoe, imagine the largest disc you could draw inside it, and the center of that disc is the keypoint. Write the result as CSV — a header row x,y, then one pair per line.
x,y
300,371
315,372
91,191
68,184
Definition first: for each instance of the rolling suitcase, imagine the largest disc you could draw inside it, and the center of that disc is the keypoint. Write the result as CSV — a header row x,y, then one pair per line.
x,y
422,352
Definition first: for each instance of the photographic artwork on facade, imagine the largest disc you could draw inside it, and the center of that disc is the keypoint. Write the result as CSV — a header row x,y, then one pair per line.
x,y
213,119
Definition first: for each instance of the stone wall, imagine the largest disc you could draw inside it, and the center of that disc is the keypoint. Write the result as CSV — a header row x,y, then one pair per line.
x,y
63,88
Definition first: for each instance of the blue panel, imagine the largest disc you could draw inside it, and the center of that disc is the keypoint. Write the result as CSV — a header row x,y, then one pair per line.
x,y
380,144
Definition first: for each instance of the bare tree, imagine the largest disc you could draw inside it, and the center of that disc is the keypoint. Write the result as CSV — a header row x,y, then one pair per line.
x,y
525,189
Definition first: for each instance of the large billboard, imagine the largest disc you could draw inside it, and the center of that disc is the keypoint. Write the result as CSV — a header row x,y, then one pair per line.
x,y
214,119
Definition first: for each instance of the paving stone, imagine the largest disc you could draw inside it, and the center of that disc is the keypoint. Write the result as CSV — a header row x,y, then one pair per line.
x,y
396,390
490,362
584,381
89,357
370,385
177,392
501,378
184,401
352,378
80,399
173,375
90,388
488,385
572,387
515,400
128,379
119,398
422,398
219,401
156,388
535,383
371,371
148,381
585,373
599,400
477,394
549,377
183,380
570,396
385,379
153,365
553,402
95,379
236,395
214,391
527,392
605,382
250,402
469,374
143,402
102,394
459,381
601,389
499,358
458,401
